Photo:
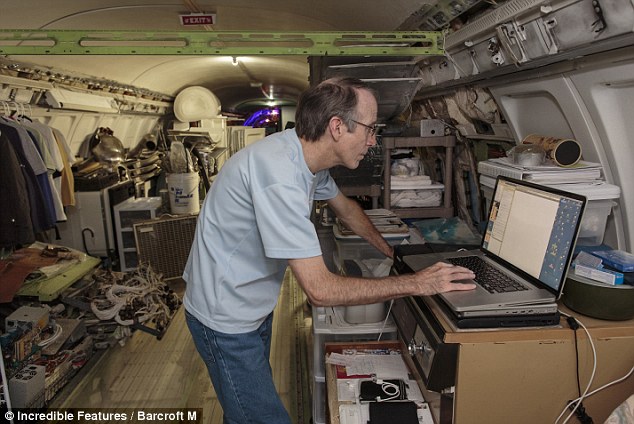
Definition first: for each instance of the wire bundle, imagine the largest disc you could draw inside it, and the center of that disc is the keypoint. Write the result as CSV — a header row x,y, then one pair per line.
x,y
58,332
575,406
137,297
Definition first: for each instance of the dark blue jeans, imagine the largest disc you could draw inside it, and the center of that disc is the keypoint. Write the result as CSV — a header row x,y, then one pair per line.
x,y
240,371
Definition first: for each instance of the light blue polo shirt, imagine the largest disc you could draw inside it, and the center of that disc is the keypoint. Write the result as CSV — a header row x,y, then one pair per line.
x,y
255,216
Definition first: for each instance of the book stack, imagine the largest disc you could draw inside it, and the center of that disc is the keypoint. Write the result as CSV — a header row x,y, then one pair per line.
x,y
583,178
582,172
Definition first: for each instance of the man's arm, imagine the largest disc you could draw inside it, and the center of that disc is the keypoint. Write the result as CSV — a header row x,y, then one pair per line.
x,y
324,288
352,215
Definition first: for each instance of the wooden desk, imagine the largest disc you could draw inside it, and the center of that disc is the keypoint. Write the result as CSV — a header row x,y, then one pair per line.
x,y
526,375
521,375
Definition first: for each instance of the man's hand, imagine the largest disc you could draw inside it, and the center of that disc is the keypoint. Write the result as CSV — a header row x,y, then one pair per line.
x,y
441,277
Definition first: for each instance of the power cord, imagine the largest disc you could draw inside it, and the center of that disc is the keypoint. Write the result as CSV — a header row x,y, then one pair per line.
x,y
387,316
611,383
581,414
393,391
576,405
574,325
58,332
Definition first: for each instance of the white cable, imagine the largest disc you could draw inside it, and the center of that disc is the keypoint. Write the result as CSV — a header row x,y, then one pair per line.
x,y
455,64
389,309
580,399
626,376
387,387
58,332
390,389
143,287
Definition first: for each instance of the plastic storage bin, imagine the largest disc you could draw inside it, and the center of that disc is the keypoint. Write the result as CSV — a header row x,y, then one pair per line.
x,y
352,247
319,400
595,217
358,249
329,326
594,221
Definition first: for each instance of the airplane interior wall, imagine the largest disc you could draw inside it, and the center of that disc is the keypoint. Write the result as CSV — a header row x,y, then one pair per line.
x,y
588,104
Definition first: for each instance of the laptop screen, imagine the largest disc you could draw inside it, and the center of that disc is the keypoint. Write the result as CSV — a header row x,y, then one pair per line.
x,y
533,228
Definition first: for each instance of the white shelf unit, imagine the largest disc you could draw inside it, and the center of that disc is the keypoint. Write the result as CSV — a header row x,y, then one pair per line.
x,y
329,326
447,142
126,214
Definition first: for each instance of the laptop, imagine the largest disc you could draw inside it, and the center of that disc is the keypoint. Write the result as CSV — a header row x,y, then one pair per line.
x,y
529,240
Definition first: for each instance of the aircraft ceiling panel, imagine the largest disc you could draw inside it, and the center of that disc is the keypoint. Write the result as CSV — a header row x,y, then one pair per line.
x,y
281,76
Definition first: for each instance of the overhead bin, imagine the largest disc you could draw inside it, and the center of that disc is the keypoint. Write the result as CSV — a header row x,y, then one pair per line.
x,y
524,34
396,79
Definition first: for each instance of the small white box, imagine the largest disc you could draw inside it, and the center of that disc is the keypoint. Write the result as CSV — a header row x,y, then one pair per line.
x,y
26,388
432,128
603,275
37,316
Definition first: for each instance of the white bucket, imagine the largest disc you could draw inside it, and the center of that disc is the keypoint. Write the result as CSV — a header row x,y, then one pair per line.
x,y
183,192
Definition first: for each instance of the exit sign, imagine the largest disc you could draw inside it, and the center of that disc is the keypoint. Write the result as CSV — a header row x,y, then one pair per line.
x,y
198,19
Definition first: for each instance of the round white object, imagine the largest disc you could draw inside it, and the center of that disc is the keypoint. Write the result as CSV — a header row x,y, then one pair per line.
x,y
196,103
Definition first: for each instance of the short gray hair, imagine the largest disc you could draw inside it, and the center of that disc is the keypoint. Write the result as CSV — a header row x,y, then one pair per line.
x,y
332,97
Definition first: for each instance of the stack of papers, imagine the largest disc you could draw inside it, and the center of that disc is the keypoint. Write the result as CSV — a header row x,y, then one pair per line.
x,y
583,171
585,178
386,221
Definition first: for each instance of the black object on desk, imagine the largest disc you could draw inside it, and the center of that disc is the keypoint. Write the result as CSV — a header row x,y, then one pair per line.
x,y
504,321
393,412
382,391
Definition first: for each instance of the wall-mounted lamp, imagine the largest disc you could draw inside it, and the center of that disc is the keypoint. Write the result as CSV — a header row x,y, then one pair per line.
x,y
234,61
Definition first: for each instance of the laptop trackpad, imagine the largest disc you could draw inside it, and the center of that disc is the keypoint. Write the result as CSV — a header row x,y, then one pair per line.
x,y
418,262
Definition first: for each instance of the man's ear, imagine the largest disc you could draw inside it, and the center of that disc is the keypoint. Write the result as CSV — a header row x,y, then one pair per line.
x,y
336,127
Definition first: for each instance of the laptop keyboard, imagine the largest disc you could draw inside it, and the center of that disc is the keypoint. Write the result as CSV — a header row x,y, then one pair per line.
x,y
490,278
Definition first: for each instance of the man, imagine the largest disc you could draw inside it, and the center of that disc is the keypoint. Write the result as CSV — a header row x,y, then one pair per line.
x,y
256,221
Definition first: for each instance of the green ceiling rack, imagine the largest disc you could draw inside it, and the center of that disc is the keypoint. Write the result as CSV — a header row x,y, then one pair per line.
x,y
104,42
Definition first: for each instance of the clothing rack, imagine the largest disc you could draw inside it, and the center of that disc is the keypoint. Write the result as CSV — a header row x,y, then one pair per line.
x,y
11,107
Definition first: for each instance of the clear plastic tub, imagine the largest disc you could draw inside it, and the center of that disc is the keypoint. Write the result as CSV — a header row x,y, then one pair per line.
x,y
594,222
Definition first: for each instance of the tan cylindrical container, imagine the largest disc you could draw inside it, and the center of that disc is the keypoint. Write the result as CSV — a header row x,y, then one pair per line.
x,y
563,151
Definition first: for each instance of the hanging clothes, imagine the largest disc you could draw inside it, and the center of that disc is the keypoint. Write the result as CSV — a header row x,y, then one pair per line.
x,y
16,227
36,174
67,190
38,180
52,156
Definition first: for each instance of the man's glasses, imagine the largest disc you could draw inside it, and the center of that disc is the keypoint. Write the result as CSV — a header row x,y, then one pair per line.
x,y
372,129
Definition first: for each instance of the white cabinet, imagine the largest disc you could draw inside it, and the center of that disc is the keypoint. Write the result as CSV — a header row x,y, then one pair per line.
x,y
126,214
